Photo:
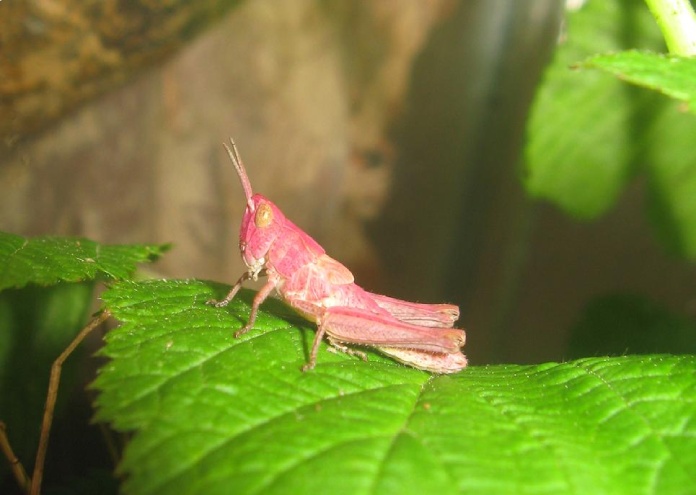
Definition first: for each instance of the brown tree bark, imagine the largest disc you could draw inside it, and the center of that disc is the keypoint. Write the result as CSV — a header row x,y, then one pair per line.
x,y
55,55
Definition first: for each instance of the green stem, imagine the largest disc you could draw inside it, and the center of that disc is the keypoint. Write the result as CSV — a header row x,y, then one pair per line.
x,y
677,21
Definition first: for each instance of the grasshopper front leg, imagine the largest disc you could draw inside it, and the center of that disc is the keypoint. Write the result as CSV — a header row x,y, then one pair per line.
x,y
259,298
230,295
235,288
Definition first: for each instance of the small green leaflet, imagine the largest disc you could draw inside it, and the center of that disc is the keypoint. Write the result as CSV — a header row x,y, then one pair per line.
x,y
48,260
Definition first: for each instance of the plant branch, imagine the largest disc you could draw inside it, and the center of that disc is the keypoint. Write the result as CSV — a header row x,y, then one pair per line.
x,y
51,396
677,21
17,469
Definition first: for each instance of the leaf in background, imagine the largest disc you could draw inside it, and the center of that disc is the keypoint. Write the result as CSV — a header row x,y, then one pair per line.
x,y
48,260
589,133
672,180
214,414
630,324
37,323
579,152
671,158
671,75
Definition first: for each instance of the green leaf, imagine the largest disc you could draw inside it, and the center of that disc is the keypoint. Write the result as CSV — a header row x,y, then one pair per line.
x,y
669,152
671,75
589,133
214,414
48,260
672,180
584,129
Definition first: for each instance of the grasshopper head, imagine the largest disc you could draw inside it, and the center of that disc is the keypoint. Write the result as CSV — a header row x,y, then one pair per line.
x,y
261,226
262,222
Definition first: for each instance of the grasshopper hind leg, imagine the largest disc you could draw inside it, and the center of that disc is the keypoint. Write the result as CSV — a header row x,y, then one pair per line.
x,y
337,346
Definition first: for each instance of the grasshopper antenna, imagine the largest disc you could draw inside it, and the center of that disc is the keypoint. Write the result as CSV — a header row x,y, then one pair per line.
x,y
241,171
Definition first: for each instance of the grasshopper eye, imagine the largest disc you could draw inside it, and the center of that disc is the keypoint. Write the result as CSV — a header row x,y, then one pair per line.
x,y
264,216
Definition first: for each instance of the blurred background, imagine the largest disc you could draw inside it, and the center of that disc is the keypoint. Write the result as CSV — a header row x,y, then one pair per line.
x,y
391,131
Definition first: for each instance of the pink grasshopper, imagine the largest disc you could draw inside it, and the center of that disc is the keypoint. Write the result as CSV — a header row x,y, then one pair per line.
x,y
323,290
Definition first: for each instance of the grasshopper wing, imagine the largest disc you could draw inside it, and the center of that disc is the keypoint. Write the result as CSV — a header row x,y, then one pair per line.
x,y
424,315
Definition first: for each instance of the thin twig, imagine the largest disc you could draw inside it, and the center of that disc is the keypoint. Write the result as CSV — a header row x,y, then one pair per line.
x,y
51,396
17,469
